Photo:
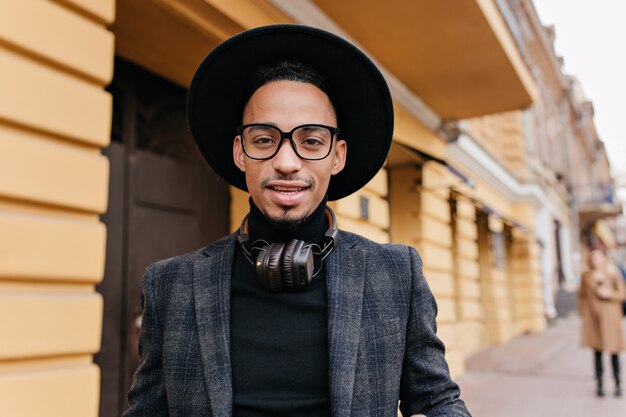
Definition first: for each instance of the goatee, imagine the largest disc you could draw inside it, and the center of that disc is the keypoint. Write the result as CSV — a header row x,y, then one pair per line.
x,y
286,223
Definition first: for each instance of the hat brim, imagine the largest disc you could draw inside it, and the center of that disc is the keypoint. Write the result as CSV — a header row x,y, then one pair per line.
x,y
360,94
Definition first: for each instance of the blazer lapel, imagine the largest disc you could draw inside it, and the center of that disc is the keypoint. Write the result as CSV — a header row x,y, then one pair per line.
x,y
211,285
344,281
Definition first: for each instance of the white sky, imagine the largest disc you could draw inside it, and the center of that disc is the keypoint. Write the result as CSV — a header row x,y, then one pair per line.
x,y
591,37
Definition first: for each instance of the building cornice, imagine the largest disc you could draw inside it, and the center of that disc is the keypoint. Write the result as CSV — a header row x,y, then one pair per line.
x,y
480,165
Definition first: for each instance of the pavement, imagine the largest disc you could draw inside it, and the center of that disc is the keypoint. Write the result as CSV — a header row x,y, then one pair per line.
x,y
546,374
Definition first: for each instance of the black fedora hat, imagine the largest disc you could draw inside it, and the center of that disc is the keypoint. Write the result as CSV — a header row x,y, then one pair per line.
x,y
359,91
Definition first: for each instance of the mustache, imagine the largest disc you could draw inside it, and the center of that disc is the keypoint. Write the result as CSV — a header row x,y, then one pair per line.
x,y
308,181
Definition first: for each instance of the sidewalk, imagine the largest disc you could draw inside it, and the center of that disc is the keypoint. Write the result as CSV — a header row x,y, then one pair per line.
x,y
540,375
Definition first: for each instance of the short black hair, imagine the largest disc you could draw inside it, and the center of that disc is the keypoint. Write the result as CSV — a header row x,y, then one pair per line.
x,y
287,71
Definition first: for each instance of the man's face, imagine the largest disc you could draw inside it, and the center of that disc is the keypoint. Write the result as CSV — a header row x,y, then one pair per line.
x,y
286,188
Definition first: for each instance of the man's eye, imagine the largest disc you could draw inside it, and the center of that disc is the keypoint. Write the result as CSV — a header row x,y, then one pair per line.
x,y
263,140
311,141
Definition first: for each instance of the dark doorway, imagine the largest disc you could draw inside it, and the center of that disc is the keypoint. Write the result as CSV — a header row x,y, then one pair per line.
x,y
558,249
164,200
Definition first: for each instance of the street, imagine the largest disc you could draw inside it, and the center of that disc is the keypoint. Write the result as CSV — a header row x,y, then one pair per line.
x,y
539,375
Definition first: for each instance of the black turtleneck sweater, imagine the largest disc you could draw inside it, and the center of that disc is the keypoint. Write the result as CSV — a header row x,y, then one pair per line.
x,y
279,342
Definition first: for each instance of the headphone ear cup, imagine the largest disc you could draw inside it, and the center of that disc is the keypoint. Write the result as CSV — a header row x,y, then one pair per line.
x,y
268,267
289,272
298,264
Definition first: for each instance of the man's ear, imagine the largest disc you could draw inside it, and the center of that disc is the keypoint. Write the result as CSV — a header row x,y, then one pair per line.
x,y
339,156
238,155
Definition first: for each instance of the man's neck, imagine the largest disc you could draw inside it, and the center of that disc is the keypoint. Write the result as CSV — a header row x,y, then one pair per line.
x,y
311,229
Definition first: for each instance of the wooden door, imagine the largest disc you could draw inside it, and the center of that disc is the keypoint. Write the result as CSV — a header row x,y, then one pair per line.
x,y
164,201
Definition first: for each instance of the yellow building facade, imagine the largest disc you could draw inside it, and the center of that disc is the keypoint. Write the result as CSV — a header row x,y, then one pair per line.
x,y
479,248
55,60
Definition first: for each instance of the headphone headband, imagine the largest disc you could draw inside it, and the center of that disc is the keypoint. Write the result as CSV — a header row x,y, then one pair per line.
x,y
288,265
330,235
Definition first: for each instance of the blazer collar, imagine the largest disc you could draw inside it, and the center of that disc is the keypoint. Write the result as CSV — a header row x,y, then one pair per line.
x,y
211,288
346,269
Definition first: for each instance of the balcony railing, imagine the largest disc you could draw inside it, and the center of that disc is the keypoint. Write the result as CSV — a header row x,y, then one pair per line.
x,y
596,194
597,202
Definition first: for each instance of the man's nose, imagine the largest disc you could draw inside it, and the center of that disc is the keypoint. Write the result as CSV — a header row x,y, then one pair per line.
x,y
286,160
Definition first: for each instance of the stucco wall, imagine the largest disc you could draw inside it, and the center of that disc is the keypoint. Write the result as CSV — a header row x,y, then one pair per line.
x,y
55,59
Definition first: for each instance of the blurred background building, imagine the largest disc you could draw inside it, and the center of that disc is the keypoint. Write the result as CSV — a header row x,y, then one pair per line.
x,y
496,174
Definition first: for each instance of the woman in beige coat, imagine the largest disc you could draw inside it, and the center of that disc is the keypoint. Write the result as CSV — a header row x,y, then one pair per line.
x,y
600,300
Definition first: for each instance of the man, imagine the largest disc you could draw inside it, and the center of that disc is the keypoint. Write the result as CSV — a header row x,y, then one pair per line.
x,y
289,316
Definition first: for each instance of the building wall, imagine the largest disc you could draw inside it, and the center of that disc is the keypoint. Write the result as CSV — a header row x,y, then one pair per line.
x,y
503,136
546,131
513,291
55,59
420,218
471,326
512,286
479,304
435,245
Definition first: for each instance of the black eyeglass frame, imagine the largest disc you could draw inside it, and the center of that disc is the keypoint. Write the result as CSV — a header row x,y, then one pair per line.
x,y
288,135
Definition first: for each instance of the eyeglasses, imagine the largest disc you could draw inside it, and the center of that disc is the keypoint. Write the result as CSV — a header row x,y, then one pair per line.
x,y
311,142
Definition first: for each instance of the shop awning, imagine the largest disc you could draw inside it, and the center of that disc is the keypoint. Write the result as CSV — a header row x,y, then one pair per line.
x,y
401,155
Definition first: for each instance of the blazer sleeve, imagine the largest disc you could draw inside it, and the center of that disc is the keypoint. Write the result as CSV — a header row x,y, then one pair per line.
x,y
425,385
147,396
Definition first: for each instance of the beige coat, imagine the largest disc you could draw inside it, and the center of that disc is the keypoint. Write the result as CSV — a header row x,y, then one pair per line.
x,y
602,317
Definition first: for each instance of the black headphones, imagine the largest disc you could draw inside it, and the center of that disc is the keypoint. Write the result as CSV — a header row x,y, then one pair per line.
x,y
288,265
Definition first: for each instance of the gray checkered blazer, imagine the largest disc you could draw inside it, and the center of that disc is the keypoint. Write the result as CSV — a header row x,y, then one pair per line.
x,y
381,335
